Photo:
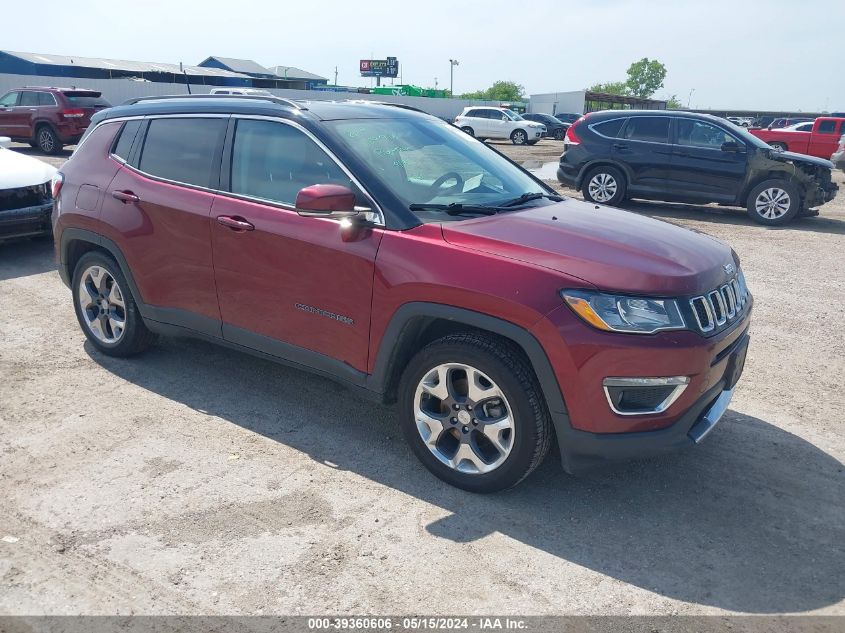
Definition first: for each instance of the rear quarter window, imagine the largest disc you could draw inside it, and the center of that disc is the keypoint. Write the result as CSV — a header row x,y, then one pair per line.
x,y
182,150
123,144
609,128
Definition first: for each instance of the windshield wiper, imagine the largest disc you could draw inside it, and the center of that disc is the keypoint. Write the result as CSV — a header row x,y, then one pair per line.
x,y
528,197
455,208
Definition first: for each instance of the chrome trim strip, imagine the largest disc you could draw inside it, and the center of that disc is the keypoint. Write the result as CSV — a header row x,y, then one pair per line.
x,y
721,305
702,429
707,309
680,383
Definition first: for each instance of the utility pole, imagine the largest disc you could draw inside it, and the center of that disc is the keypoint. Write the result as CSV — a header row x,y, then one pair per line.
x,y
435,83
689,100
335,75
452,64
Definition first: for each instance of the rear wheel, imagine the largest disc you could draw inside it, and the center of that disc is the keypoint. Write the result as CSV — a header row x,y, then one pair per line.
x,y
105,308
773,202
47,140
605,185
473,413
519,137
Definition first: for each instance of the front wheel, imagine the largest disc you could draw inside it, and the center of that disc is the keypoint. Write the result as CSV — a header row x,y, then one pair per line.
x,y
468,130
773,202
605,185
473,413
519,137
560,134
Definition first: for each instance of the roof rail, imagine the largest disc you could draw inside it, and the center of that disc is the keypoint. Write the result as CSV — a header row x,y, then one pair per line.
x,y
272,99
404,106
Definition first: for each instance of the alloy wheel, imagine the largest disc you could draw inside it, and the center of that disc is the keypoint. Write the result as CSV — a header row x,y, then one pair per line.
x,y
45,140
102,304
464,418
772,203
519,137
602,187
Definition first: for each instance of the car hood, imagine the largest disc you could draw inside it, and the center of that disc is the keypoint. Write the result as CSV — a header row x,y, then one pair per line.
x,y
801,158
17,170
608,248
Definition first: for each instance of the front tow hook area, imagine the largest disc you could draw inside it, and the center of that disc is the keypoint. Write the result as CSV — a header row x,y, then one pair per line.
x,y
702,428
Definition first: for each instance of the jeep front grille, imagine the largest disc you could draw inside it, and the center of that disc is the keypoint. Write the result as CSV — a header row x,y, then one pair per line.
x,y
720,306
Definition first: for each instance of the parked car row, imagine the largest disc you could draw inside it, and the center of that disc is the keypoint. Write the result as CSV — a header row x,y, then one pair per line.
x,y
819,139
695,158
502,123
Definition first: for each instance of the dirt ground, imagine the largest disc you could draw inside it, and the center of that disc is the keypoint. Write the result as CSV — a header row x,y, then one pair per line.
x,y
194,479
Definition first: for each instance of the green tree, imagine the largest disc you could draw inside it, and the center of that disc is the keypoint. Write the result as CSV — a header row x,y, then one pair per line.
x,y
499,91
611,87
672,103
645,77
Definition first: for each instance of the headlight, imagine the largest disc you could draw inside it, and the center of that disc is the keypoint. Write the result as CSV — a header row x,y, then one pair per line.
x,y
620,313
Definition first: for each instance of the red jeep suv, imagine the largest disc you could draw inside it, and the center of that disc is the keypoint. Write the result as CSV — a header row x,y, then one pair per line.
x,y
48,118
389,251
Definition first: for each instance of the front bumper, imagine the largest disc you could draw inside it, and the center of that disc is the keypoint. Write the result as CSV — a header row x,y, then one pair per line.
x,y
26,221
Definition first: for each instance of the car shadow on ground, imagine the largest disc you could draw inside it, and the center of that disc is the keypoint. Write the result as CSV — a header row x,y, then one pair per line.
x,y
752,520
26,256
35,152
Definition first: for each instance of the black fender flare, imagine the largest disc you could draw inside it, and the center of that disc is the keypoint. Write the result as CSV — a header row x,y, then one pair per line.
x,y
391,343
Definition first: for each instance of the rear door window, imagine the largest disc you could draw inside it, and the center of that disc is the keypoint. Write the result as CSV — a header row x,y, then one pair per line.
x,y
46,99
653,129
183,150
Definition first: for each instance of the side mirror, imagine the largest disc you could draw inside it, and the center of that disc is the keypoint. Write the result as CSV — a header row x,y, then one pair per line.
x,y
731,146
326,201
5,141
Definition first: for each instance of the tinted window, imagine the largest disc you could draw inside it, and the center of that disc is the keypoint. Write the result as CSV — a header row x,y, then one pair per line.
x,y
29,99
182,149
273,161
700,134
46,99
10,99
805,127
125,138
87,101
473,113
609,128
827,127
647,128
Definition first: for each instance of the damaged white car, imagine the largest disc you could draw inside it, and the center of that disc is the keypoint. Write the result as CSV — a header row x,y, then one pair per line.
x,y
26,198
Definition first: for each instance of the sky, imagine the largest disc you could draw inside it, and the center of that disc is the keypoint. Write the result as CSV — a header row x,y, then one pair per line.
x,y
741,54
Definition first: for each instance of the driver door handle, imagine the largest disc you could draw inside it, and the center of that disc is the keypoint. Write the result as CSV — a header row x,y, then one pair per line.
x,y
236,223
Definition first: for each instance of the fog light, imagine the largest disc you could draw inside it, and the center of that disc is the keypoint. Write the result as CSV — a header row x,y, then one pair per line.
x,y
643,396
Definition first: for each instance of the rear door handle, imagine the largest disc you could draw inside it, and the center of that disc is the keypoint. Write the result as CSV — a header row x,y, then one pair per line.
x,y
235,223
125,196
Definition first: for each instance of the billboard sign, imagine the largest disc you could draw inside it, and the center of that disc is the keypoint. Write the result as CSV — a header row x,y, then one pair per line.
x,y
380,67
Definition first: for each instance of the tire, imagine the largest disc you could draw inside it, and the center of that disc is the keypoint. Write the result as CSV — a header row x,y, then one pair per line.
x,y
101,274
605,185
47,141
455,448
468,130
560,135
519,137
773,202
778,145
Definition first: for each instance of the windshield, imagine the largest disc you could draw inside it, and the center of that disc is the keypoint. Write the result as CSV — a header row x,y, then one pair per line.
x,y
745,135
423,161
513,116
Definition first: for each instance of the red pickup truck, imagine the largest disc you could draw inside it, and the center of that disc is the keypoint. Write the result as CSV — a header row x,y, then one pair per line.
x,y
820,142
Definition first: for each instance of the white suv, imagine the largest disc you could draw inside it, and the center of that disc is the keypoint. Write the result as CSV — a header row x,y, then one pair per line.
x,y
488,122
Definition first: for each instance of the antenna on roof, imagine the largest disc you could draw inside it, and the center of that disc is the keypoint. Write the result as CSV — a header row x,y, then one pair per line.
x,y
187,83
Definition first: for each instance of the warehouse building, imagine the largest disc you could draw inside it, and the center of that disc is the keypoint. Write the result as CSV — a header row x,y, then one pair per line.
x,y
582,101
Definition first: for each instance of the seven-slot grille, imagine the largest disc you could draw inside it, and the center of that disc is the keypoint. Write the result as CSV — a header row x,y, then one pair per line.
x,y
721,305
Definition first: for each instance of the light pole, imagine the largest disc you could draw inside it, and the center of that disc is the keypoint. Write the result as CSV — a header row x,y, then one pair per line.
x,y
452,64
689,100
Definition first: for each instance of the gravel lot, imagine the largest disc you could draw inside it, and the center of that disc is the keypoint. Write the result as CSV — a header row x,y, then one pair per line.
x,y
194,479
